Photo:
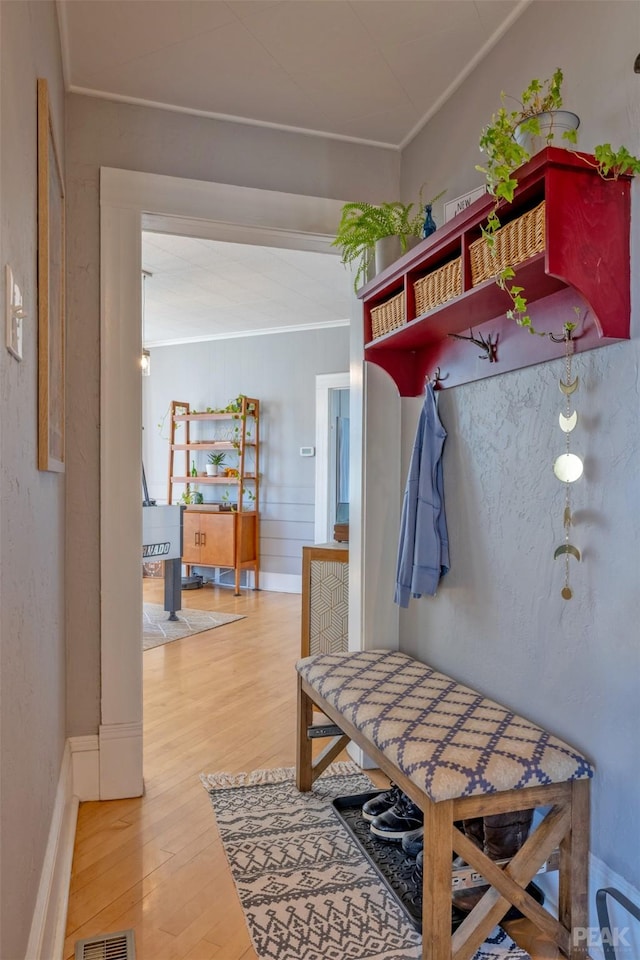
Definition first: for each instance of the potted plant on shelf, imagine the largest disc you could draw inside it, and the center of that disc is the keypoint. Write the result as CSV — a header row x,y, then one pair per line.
x,y
365,228
509,141
215,461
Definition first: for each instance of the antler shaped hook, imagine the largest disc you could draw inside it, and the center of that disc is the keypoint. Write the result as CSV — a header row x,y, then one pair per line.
x,y
488,344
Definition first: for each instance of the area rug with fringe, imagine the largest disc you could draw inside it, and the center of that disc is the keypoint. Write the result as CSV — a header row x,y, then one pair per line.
x,y
306,889
158,629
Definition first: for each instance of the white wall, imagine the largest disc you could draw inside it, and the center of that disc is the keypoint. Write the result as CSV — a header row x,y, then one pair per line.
x,y
32,570
498,621
280,370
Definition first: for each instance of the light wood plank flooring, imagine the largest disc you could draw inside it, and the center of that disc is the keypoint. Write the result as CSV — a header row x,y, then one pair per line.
x,y
220,700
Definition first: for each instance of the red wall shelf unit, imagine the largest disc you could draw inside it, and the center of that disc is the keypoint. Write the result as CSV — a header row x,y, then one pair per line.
x,y
585,264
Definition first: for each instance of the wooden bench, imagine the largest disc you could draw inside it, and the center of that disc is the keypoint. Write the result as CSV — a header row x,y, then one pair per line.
x,y
458,755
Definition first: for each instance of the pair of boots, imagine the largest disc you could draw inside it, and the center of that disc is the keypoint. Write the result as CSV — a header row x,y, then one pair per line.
x,y
499,837
392,814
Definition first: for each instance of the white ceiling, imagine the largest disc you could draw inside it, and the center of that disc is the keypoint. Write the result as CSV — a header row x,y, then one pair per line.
x,y
364,70
210,289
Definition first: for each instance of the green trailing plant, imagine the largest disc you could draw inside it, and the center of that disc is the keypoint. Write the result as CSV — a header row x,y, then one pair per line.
x,y
612,163
361,224
504,154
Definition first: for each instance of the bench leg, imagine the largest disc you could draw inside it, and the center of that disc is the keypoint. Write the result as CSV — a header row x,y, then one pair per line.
x,y
573,883
304,774
436,882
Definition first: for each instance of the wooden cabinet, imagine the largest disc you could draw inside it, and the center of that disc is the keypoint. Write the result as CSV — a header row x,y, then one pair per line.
x,y
214,539
224,529
583,262
325,599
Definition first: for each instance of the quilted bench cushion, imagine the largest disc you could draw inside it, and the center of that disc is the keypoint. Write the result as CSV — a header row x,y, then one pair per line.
x,y
446,738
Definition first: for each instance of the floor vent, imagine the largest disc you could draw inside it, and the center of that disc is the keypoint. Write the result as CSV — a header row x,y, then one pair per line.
x,y
108,946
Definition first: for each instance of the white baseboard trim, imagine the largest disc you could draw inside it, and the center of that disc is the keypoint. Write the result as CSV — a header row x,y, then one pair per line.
x,y
85,762
46,938
624,928
120,749
281,582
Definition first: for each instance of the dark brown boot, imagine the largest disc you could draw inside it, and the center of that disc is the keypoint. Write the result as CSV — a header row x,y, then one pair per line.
x,y
502,836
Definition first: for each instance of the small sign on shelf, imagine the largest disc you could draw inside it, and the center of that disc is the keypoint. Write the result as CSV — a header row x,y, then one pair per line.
x,y
452,207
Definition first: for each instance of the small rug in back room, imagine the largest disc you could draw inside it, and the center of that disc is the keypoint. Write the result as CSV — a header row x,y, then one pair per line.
x,y
307,890
157,629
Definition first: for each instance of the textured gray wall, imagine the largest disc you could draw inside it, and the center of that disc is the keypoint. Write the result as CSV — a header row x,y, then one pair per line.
x,y
279,370
498,621
32,650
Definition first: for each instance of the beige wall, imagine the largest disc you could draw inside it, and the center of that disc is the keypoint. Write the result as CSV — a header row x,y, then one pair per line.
x,y
499,621
32,571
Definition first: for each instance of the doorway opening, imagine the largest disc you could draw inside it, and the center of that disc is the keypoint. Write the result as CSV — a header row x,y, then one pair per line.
x,y
332,453
130,202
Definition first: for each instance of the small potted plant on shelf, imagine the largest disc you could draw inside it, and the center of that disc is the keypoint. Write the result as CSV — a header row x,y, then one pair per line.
x,y
509,141
215,461
365,228
226,506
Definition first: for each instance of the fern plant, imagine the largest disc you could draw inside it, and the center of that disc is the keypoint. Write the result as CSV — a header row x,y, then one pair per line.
x,y
361,224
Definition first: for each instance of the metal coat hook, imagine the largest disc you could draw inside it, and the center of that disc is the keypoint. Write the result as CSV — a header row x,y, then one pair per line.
x,y
567,335
488,344
437,378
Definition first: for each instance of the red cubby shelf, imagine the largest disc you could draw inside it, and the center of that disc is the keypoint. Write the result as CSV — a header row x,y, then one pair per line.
x,y
585,265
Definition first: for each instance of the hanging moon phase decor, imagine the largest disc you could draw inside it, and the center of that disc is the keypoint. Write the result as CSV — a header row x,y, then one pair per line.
x,y
567,548
568,467
568,423
568,388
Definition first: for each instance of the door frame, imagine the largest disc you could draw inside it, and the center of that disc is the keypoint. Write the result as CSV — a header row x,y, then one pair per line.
x,y
131,201
325,384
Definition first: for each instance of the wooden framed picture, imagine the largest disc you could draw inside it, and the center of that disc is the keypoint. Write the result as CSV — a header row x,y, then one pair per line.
x,y
51,292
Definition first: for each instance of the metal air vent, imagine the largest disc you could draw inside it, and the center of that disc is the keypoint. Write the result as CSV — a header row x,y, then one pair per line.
x,y
107,946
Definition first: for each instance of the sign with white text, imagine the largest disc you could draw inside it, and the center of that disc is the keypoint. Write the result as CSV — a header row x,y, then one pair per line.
x,y
452,207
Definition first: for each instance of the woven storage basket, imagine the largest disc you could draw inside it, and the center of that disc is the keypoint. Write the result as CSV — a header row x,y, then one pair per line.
x,y
438,287
515,242
388,316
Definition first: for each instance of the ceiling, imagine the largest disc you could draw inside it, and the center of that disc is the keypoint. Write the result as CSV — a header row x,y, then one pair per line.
x,y
371,71
209,289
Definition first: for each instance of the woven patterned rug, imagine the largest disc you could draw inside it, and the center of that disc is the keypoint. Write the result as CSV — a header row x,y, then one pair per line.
x,y
307,891
157,629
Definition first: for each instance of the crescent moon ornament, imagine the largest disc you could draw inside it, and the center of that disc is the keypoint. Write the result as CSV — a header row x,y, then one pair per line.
x,y
567,548
568,423
568,388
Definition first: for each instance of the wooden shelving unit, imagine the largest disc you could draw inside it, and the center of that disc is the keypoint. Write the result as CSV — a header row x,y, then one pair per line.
x,y
212,535
585,264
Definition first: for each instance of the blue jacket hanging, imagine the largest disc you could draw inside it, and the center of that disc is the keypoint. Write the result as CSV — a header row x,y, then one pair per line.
x,y
423,551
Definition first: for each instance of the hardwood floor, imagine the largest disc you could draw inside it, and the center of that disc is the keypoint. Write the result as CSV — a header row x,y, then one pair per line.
x,y
220,700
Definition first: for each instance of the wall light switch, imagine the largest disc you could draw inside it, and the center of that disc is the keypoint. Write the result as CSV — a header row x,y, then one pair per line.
x,y
14,314
307,451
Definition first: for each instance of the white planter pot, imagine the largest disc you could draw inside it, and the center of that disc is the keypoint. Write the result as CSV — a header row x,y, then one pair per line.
x,y
388,250
212,470
552,126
